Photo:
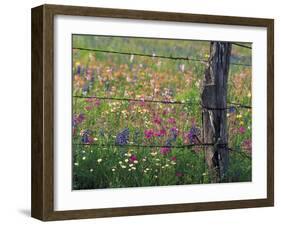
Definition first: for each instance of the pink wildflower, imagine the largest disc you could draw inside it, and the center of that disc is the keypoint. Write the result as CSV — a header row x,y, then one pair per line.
x,y
165,112
165,150
174,158
97,103
186,137
88,108
160,133
179,174
90,100
171,120
148,133
247,145
133,158
242,130
157,120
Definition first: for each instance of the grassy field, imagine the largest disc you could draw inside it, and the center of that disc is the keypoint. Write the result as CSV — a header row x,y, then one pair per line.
x,y
126,131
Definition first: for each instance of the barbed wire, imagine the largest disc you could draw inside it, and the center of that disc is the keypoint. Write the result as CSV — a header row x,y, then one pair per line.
x,y
145,146
240,105
241,45
243,154
198,144
153,55
134,100
235,105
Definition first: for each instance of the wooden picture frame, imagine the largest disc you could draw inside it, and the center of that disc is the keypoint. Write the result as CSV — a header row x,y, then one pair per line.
x,y
43,112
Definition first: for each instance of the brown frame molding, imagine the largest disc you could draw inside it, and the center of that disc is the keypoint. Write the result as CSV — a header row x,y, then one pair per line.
x,y
42,203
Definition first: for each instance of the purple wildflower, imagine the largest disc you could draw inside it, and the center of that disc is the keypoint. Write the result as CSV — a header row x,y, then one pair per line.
x,y
77,119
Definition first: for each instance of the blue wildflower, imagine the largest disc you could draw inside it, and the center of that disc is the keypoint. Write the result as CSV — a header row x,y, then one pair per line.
x,y
85,136
92,80
122,138
82,70
174,133
232,109
136,136
135,77
193,133
78,69
101,132
169,142
85,139
85,89
107,86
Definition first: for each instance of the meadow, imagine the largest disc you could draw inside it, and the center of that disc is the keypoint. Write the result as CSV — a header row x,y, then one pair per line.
x,y
137,119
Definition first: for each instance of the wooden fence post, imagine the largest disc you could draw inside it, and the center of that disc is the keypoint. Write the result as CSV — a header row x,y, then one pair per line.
x,y
214,104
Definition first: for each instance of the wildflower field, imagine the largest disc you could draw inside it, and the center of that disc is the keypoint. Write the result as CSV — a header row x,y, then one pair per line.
x,y
137,119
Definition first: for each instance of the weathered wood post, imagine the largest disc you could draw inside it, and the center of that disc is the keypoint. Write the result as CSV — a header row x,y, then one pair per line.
x,y
214,105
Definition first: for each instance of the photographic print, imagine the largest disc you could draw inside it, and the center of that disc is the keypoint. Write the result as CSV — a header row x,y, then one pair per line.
x,y
160,112
146,112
